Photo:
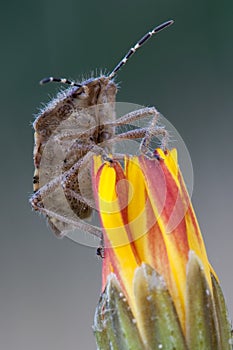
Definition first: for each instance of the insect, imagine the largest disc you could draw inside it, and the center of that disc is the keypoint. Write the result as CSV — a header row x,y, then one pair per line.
x,y
89,108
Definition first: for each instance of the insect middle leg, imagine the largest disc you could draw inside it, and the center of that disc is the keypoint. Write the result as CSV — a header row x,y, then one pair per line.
x,y
136,115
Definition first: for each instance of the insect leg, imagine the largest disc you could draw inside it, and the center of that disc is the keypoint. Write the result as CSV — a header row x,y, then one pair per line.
x,y
136,115
82,225
145,133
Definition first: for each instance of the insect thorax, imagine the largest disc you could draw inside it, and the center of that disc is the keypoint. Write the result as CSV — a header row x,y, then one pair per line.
x,y
73,102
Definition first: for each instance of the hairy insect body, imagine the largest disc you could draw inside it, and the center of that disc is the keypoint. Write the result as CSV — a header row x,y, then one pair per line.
x,y
88,109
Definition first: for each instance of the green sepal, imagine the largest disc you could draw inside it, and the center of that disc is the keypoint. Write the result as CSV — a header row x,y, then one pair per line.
x,y
114,324
201,324
224,326
99,326
159,323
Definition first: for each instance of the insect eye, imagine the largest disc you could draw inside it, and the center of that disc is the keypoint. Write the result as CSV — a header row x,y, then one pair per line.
x,y
81,92
78,92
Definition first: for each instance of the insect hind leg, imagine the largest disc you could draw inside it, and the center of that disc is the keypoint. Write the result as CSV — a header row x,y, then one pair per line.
x,y
79,224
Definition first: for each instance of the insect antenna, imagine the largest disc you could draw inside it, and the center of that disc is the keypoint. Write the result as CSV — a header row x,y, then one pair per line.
x,y
138,45
59,80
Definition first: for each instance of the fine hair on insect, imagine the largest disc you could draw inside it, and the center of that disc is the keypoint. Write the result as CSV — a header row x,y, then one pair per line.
x,y
79,123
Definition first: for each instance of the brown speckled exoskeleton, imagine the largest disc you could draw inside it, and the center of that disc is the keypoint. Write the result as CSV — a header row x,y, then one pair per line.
x,y
89,107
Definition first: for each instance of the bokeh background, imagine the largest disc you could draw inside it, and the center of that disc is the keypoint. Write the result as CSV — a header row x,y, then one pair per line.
x,y
49,287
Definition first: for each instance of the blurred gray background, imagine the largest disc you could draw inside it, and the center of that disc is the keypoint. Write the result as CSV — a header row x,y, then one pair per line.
x,y
49,287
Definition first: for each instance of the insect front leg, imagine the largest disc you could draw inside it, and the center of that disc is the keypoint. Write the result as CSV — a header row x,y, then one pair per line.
x,y
136,115
146,133
141,133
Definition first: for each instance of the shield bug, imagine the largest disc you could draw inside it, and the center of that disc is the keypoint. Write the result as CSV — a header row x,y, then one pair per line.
x,y
89,108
